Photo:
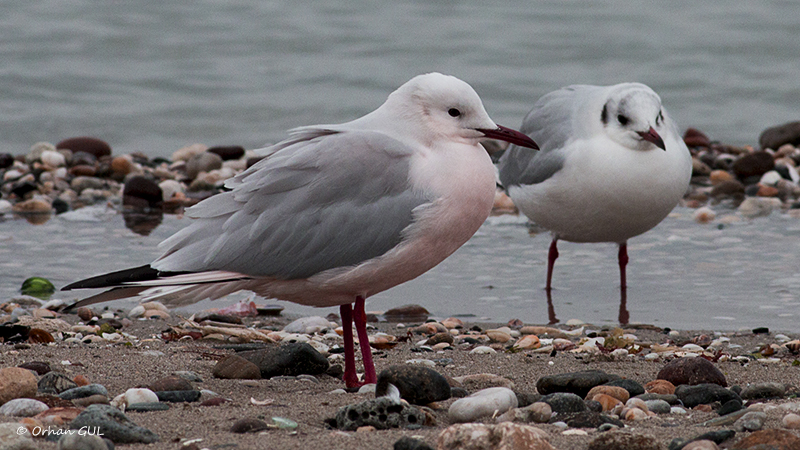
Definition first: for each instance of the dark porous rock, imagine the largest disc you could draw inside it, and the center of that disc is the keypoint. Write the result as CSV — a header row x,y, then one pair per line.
x,y
55,383
623,439
409,443
716,437
695,138
763,390
382,413
417,384
774,137
112,424
6,160
691,371
203,162
407,313
248,425
730,406
291,359
40,367
772,439
565,402
178,396
90,145
578,383
84,391
228,152
147,407
171,383
672,399
752,165
703,394
141,192
588,419
634,388
235,367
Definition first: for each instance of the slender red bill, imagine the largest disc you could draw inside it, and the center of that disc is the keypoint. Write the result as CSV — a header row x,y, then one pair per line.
x,y
651,136
512,136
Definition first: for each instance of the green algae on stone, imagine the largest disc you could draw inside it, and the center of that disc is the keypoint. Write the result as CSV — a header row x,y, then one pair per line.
x,y
38,287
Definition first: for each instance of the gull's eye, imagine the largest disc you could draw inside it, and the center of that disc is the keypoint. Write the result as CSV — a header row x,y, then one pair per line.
x,y
659,118
622,120
454,112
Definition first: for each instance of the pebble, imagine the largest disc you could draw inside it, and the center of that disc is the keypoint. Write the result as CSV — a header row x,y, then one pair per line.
x,y
791,421
564,402
751,421
763,390
407,313
528,342
503,436
658,406
704,215
84,391
691,371
82,442
486,402
409,443
616,392
171,383
147,407
417,385
309,325
113,424
40,367
139,395
633,387
538,412
10,439
237,368
90,400
700,394
483,350
288,359
93,146
16,382
623,439
660,387
579,383
248,425
768,439
701,445
22,407
187,396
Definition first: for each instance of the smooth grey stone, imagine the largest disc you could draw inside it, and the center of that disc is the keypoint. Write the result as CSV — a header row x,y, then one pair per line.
x,y
84,391
178,396
418,385
147,407
112,424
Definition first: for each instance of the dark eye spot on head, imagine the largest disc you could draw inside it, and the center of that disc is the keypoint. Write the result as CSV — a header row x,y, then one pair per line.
x,y
454,112
622,120
660,118
604,114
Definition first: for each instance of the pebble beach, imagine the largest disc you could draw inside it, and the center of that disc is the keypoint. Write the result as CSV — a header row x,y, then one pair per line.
x,y
207,381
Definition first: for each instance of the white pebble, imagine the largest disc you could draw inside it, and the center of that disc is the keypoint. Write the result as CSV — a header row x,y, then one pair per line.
x,y
309,325
422,362
574,432
486,402
367,389
483,350
139,395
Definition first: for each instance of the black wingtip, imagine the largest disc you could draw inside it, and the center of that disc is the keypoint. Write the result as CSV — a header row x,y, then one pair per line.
x,y
141,273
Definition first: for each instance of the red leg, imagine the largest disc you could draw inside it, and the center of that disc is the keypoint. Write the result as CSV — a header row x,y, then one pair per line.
x,y
623,262
350,375
551,261
360,319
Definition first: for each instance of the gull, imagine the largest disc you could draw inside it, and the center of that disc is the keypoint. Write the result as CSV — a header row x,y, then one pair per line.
x,y
612,166
336,213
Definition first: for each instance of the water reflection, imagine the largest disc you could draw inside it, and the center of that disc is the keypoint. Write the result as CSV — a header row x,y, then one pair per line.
x,y
623,317
142,221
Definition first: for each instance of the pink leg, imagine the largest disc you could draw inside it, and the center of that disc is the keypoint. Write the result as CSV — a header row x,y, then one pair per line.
x,y
623,261
350,376
360,319
551,261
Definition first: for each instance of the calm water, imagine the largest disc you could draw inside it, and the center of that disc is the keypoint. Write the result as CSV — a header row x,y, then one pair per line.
x,y
154,75
681,274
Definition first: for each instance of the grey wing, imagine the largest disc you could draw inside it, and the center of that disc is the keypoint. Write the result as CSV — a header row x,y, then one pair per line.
x,y
333,201
550,124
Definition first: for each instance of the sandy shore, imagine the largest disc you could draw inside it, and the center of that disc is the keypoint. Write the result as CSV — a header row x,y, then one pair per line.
x,y
121,366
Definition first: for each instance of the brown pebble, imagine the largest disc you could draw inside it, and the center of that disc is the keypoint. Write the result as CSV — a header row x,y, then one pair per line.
x,y
85,314
216,401
663,387
81,380
90,145
97,399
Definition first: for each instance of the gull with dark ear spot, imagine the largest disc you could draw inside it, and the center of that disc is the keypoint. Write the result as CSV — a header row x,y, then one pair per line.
x,y
612,165
336,213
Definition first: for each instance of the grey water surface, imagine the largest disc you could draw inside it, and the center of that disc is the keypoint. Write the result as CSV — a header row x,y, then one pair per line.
x,y
155,75
682,274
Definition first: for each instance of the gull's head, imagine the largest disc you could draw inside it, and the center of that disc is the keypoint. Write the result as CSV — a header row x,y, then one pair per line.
x,y
435,107
633,117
